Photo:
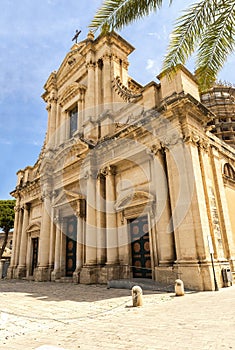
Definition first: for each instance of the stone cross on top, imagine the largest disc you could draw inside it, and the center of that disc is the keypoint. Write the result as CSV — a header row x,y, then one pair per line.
x,y
76,36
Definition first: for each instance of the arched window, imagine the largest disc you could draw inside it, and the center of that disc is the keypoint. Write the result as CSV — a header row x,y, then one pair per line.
x,y
228,171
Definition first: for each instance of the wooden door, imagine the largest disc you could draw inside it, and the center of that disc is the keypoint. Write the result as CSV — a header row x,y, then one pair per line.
x,y
34,261
71,246
140,247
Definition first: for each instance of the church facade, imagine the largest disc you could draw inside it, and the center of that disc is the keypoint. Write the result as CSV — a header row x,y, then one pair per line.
x,y
131,181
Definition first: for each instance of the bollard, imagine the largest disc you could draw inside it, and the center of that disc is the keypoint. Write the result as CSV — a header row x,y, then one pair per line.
x,y
179,288
137,296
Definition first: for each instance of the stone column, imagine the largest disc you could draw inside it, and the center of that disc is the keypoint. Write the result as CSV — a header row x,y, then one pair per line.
x,y
107,79
89,272
14,241
91,220
64,127
163,242
56,272
63,246
80,111
52,124
18,237
90,124
21,269
48,108
90,96
100,206
58,126
111,217
52,242
189,215
80,241
43,260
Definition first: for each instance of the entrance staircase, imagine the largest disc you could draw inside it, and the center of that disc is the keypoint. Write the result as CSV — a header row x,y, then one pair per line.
x,y
144,283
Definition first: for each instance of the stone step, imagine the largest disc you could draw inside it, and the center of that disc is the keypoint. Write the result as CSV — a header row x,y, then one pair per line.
x,y
145,284
64,280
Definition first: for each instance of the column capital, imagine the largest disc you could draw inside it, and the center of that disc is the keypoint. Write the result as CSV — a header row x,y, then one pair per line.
x,y
56,219
191,137
154,149
204,145
106,57
48,107
81,208
17,208
26,206
91,65
108,170
171,140
46,195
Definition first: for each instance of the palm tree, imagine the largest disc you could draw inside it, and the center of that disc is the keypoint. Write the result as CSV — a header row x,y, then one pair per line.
x,y
207,26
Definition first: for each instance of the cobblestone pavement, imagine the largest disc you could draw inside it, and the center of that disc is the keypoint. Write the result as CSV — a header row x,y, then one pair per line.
x,y
58,316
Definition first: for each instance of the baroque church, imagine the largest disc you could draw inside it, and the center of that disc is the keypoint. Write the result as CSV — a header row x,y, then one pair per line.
x,y
132,181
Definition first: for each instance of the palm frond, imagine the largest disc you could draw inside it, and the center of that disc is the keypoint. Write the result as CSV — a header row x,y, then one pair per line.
x,y
115,14
188,30
217,43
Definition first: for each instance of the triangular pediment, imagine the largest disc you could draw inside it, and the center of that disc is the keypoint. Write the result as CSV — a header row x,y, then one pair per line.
x,y
66,197
72,59
131,199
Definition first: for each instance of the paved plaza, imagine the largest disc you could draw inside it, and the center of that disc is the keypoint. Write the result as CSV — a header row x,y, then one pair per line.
x,y
58,316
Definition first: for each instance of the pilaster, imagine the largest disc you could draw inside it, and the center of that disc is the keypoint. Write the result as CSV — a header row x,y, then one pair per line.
x,y
10,271
56,272
111,216
101,220
21,269
42,271
80,240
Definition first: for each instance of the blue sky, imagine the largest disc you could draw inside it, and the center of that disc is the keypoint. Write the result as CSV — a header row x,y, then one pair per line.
x,y
35,36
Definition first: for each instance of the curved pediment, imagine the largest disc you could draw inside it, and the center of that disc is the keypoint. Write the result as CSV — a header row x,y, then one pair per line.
x,y
70,151
36,226
133,199
71,91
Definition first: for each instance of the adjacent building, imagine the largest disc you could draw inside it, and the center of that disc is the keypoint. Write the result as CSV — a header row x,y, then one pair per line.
x,y
132,180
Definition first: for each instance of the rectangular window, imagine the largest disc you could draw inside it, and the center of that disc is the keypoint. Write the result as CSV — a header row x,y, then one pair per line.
x,y
73,121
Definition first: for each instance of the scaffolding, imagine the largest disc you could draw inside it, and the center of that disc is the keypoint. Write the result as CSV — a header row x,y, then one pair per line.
x,y
221,101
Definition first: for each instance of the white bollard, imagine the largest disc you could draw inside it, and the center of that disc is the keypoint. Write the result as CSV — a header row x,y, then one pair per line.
x,y
179,288
137,298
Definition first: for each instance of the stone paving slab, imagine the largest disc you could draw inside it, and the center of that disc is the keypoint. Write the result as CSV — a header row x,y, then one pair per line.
x,y
57,316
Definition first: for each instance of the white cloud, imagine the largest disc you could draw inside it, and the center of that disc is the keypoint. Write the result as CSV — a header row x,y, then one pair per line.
x,y
5,142
152,66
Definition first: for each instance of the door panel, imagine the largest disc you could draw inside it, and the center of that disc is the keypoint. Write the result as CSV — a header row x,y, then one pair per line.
x,y
140,247
34,261
71,246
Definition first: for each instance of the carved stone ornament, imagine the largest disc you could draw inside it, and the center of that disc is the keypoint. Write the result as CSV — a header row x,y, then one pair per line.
x,y
108,170
124,92
192,137
171,139
154,149
17,208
